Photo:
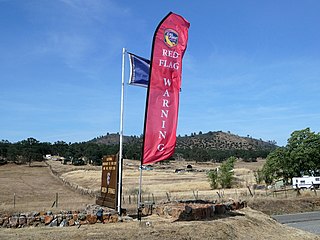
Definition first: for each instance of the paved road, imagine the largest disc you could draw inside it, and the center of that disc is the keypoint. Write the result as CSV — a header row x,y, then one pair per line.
x,y
309,221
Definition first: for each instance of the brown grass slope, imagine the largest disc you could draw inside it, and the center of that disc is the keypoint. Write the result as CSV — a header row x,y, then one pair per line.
x,y
251,225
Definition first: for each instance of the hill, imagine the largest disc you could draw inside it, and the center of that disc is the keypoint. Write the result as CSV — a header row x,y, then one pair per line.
x,y
222,141
201,147
212,140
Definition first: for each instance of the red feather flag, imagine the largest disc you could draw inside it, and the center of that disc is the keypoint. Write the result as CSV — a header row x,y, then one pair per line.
x,y
169,44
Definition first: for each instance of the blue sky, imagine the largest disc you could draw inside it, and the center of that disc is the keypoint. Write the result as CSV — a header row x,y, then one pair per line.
x,y
251,67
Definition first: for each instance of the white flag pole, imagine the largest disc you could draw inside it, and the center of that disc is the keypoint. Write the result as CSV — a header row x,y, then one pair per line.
x,y
121,135
140,189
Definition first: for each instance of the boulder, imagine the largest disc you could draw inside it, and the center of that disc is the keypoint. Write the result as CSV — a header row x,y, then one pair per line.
x,y
5,222
220,209
114,218
48,219
92,219
54,223
13,221
22,220
83,222
64,223
75,216
71,222
82,216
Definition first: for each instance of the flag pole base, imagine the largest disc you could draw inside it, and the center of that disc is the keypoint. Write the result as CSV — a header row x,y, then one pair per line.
x,y
139,213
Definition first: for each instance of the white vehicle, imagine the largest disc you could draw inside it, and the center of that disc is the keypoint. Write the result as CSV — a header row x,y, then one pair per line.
x,y
305,182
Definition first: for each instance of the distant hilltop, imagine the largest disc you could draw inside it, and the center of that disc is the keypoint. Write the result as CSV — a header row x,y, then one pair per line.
x,y
217,140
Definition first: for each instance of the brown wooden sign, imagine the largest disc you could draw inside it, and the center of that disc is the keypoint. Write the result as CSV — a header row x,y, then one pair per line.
x,y
109,182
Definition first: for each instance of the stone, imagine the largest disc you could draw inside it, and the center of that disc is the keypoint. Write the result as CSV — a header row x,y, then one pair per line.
x,y
62,212
176,212
40,218
64,223
213,209
36,224
114,218
220,209
188,209
83,222
92,219
30,220
48,219
54,223
22,220
59,218
105,218
71,222
32,214
82,216
13,221
5,222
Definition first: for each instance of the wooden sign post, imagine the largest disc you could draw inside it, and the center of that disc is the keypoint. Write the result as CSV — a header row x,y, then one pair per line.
x,y
109,182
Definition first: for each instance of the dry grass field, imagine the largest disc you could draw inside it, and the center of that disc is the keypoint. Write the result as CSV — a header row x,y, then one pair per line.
x,y
162,179
36,187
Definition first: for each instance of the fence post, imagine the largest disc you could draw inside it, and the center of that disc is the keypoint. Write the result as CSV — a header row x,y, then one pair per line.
x,y
249,190
314,189
14,200
168,196
56,200
219,195
195,195
285,191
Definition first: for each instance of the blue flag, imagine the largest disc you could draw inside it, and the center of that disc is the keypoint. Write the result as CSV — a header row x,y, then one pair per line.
x,y
139,70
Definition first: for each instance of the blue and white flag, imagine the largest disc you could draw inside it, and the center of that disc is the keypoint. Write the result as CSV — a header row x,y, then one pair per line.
x,y
139,70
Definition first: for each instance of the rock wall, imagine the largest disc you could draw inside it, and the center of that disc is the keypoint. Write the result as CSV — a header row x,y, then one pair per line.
x,y
91,215
189,211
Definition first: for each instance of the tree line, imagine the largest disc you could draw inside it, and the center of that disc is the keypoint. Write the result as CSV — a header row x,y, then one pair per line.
x,y
29,150
301,156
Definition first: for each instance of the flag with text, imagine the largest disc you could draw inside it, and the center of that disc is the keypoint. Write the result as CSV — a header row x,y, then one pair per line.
x,y
169,44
